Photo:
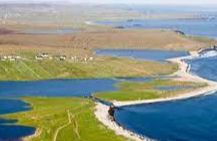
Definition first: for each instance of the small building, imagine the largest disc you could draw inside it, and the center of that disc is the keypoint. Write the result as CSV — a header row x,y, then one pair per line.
x,y
10,58
62,58
4,58
44,55
50,58
18,57
85,59
39,58
90,58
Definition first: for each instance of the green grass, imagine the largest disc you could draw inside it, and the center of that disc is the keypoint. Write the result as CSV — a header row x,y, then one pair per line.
x,y
100,68
48,114
146,90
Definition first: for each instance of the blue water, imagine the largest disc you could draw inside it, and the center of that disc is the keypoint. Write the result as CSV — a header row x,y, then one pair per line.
x,y
153,55
50,88
188,120
12,106
199,27
14,132
71,87
11,89
8,129
205,67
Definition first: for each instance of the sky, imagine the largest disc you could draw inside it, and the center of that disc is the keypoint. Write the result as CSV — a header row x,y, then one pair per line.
x,y
181,2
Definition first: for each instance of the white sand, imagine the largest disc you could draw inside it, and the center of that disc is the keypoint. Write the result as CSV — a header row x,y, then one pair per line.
x,y
102,115
182,75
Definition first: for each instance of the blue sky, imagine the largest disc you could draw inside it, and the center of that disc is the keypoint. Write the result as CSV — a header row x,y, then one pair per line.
x,y
190,2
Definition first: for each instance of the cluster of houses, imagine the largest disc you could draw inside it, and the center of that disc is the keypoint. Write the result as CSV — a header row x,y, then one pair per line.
x,y
10,58
43,56
46,56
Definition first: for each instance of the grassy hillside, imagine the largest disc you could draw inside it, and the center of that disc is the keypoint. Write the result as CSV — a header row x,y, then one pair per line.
x,y
64,119
99,68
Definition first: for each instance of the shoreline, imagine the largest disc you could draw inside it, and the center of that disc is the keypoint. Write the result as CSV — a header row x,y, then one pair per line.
x,y
183,74
101,112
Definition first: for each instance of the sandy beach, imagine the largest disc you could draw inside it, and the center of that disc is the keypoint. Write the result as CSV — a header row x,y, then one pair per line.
x,y
182,74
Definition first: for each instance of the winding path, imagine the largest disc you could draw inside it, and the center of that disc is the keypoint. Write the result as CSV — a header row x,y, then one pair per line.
x,y
63,126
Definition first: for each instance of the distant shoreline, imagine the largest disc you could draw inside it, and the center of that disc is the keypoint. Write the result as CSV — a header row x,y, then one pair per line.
x,y
183,74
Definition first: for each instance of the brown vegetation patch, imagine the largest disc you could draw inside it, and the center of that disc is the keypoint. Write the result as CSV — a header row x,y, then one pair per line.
x,y
134,39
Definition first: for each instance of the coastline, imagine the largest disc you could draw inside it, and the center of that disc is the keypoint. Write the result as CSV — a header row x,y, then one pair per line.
x,y
101,112
182,74
36,134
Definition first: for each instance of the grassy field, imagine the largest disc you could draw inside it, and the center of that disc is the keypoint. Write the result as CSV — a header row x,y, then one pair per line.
x,y
82,44
147,90
99,68
64,119
107,38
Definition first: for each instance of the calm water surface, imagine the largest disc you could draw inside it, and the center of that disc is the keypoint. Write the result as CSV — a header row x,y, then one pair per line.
x,y
8,129
187,120
199,27
71,87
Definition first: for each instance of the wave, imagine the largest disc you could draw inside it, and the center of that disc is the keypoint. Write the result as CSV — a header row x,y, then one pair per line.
x,y
208,54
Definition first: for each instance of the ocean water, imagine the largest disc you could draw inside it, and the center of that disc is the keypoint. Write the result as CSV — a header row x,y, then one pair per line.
x,y
153,55
188,120
205,67
206,27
